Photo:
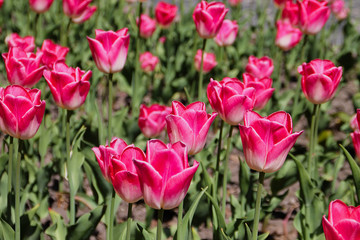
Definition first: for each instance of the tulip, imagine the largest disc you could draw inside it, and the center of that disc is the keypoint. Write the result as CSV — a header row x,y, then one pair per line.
x,y
165,13
354,122
280,3
69,86
165,175
40,6
148,62
26,43
21,111
291,13
104,154
267,140
109,49
152,119
260,67
78,10
189,125
343,222
148,26
320,79
235,3
287,36
313,15
355,136
209,61
124,176
263,90
23,68
227,33
230,99
52,52
1,3
208,18
339,9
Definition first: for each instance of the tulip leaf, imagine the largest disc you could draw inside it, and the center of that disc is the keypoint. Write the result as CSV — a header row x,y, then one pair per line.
x,y
219,216
6,231
206,175
248,231
58,229
147,235
263,236
78,138
233,226
355,172
74,170
286,176
86,224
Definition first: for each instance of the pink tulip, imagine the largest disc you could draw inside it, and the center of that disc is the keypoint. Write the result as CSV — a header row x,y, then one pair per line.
x,y
165,13
148,62
189,125
26,43
227,33
235,3
267,140
69,86
104,154
124,176
78,10
165,175
40,6
230,99
313,15
263,90
260,67
209,61
287,36
281,3
148,26
21,111
23,68
354,122
109,49
320,79
1,3
152,119
339,9
343,222
355,136
208,18
291,13
52,52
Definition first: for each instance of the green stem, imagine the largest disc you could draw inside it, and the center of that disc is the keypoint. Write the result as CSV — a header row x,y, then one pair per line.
x,y
71,184
111,217
110,103
64,31
217,167
313,141
179,222
226,170
17,191
258,206
201,70
11,160
128,226
36,25
159,224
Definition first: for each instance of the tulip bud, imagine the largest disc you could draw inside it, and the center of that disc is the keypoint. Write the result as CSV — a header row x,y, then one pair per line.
x,y
40,6
152,119
209,61
147,27
148,62
260,67
313,15
287,36
165,14
227,33
78,10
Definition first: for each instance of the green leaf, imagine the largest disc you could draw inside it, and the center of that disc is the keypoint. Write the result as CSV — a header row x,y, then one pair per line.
x,y
219,215
248,231
147,235
86,224
74,170
57,230
355,172
6,233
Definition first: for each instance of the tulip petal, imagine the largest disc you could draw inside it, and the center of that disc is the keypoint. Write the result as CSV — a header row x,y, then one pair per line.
x,y
127,186
330,232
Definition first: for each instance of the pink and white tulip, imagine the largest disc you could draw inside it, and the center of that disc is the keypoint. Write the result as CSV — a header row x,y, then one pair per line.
x,y
287,36
230,99
313,15
109,49
23,68
263,90
165,175
339,9
124,176
69,86
267,140
227,33
190,125
165,14
26,43
152,119
342,223
52,52
209,61
208,18
147,26
40,6
260,67
148,62
21,111
78,10
320,79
